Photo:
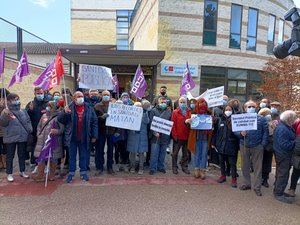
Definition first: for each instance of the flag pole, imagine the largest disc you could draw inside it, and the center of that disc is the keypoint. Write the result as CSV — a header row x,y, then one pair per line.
x,y
64,83
48,169
4,91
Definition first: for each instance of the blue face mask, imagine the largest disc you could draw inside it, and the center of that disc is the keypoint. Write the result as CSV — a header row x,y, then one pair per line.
x,y
192,106
106,98
224,102
163,106
17,102
274,110
250,110
40,97
56,98
182,106
94,98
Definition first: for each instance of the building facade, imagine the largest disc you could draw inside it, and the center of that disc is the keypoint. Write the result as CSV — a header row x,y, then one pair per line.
x,y
225,42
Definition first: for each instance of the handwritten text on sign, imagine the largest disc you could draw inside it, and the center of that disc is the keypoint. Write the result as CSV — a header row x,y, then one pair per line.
x,y
214,97
95,77
161,125
244,122
124,116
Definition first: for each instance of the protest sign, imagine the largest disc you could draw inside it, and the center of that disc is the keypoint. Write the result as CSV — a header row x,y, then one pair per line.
x,y
214,97
201,122
161,125
244,122
124,116
95,77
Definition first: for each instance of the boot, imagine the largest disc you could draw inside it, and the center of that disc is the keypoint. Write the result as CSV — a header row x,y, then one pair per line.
x,y
175,170
51,175
39,177
202,174
234,183
196,173
1,163
4,161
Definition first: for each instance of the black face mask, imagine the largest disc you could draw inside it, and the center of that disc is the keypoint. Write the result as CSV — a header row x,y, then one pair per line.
x,y
163,93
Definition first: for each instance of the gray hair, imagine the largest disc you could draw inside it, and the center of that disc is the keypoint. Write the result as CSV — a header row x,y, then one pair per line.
x,y
146,104
247,103
182,97
288,117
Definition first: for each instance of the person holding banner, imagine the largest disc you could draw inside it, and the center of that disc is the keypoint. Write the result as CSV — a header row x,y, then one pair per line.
x,y
17,127
81,129
252,143
180,134
137,142
226,144
159,141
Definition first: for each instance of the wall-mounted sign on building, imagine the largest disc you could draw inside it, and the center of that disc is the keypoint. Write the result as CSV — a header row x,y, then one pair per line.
x,y
177,70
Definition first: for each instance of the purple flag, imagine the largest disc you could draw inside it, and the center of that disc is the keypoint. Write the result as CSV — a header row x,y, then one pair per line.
x,y
115,83
21,71
44,78
187,83
2,58
47,150
139,84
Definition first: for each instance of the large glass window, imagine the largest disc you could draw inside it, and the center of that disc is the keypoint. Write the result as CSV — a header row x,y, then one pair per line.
x,y
235,26
210,22
271,34
252,29
281,31
123,24
212,77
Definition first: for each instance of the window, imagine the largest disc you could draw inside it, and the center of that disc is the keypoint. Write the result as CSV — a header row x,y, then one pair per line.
x,y
235,26
281,31
252,29
123,24
210,22
271,34
212,77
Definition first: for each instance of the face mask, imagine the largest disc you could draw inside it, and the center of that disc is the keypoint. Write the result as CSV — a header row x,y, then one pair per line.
x,y
48,109
262,105
268,117
105,98
224,102
125,100
163,93
56,98
163,106
182,106
250,110
228,113
274,110
192,106
79,101
40,97
17,102
94,98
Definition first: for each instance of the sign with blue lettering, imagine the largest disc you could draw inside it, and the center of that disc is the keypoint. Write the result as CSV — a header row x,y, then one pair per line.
x,y
201,122
178,70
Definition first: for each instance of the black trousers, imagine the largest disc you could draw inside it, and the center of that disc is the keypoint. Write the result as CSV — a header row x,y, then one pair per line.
x,y
121,152
2,147
294,179
177,145
232,159
283,165
267,164
11,150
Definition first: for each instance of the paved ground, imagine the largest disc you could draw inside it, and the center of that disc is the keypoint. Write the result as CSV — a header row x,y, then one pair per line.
x,y
133,199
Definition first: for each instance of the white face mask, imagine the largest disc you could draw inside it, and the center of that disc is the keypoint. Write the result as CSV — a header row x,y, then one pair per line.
x,y
262,105
228,113
79,101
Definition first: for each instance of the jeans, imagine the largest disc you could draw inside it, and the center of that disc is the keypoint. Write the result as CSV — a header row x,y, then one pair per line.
x,y
158,155
232,163
294,179
177,145
11,149
2,147
200,157
83,154
283,165
99,154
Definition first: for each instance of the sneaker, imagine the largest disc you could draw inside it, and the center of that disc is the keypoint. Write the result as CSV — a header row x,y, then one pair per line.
x,y
24,175
283,199
69,178
85,177
234,183
290,193
10,178
186,170
35,170
140,172
132,170
245,187
168,150
222,179
162,170
151,172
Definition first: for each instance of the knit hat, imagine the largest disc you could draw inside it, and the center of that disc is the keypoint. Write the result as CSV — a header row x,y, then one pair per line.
x,y
124,94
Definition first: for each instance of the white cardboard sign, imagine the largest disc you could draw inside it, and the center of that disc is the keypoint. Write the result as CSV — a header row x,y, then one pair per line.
x,y
161,125
214,96
244,122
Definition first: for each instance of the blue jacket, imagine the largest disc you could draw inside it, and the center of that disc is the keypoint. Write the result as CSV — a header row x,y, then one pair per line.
x,y
90,124
256,137
284,139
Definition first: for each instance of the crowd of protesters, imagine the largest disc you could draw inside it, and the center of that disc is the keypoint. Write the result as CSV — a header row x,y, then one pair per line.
x,y
79,123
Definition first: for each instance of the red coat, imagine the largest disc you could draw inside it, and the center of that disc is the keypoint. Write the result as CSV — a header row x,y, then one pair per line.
x,y
180,130
297,127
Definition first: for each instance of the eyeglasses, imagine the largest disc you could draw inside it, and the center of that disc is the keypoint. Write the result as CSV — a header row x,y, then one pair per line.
x,y
249,107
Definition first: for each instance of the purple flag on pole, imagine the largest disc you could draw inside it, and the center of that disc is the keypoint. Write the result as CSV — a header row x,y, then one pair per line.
x,y
44,78
187,83
21,71
2,58
139,84
115,83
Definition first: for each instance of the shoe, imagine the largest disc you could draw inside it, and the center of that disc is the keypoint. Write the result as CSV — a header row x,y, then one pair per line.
x,y
186,170
99,173
245,187
162,171
298,181
39,176
35,170
196,173
141,172
234,183
265,183
222,179
290,193
258,192
10,178
69,178
85,177
24,175
168,150
151,172
175,170
283,199
132,170
110,171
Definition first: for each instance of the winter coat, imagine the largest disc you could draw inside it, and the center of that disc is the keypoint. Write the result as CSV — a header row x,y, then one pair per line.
x,y
164,114
180,130
284,140
35,115
43,130
69,120
14,131
100,110
1,128
223,138
256,137
138,140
